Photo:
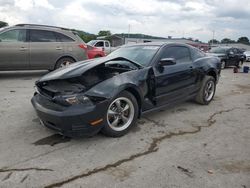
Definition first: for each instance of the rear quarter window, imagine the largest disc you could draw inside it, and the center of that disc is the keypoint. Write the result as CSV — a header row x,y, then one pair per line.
x,y
196,53
63,38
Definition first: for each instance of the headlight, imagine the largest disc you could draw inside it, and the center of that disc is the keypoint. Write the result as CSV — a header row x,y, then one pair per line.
x,y
78,99
72,100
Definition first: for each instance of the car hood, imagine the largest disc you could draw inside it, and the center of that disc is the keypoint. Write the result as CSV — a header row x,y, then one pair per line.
x,y
77,69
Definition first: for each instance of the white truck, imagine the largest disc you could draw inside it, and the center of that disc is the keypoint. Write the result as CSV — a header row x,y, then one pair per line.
x,y
102,44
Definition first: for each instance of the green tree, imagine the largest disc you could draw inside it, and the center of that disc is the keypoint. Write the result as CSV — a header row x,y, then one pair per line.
x,y
227,40
213,41
104,33
243,40
3,24
86,38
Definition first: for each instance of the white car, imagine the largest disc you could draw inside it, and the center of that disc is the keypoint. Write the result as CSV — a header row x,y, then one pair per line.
x,y
247,54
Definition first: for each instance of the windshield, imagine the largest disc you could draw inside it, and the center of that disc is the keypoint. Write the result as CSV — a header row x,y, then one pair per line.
x,y
139,54
218,50
91,43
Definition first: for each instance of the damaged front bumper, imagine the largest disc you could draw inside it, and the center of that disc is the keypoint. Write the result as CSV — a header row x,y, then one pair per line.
x,y
72,121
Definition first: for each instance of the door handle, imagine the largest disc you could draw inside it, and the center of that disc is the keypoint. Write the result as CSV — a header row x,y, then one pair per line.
x,y
23,48
58,48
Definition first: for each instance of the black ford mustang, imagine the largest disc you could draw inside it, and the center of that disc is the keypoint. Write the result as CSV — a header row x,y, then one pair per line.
x,y
110,93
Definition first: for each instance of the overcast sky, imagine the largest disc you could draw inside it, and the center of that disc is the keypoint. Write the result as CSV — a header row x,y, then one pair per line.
x,y
188,18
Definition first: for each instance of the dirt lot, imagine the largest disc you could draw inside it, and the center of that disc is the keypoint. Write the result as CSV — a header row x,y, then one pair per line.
x,y
188,145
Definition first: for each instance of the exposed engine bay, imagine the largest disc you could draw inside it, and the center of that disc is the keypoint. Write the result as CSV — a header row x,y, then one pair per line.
x,y
85,81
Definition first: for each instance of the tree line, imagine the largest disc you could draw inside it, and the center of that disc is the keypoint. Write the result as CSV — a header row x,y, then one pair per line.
x,y
88,36
243,40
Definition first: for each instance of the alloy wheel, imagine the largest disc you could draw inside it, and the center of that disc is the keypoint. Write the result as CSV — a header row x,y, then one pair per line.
x,y
65,64
209,90
120,114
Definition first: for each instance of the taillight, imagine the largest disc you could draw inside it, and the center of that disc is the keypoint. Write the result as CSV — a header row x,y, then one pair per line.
x,y
83,46
90,47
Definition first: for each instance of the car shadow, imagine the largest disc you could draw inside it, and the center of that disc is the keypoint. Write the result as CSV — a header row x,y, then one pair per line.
x,y
25,75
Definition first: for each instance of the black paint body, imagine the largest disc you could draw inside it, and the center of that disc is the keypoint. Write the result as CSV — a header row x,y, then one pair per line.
x,y
153,86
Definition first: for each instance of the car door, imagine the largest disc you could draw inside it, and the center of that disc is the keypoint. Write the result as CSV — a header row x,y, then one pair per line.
x,y
45,49
174,82
14,50
107,48
100,45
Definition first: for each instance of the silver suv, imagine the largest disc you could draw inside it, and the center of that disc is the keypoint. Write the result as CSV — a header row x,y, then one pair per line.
x,y
29,46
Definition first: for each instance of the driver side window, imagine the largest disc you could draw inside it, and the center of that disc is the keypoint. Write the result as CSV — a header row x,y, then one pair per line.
x,y
99,44
16,35
180,53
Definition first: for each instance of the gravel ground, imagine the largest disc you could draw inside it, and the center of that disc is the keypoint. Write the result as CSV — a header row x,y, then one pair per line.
x,y
189,145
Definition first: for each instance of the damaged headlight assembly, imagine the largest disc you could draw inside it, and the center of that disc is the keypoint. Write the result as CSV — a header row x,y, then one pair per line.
x,y
72,100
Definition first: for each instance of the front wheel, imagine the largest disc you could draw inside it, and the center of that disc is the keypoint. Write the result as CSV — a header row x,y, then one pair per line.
x,y
207,90
121,115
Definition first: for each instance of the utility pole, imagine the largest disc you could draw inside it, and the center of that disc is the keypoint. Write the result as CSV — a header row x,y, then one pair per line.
x,y
213,39
128,30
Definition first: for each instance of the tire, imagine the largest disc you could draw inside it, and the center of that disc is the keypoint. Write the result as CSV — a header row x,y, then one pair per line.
x,y
203,96
223,64
117,121
65,61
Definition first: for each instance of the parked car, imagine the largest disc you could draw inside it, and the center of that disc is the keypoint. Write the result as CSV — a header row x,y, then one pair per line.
x,y
94,52
247,54
229,56
103,45
28,46
110,93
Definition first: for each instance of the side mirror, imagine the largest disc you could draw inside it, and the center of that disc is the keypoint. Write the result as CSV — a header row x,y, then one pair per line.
x,y
167,61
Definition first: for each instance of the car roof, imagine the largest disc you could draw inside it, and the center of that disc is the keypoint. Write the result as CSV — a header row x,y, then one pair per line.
x,y
42,27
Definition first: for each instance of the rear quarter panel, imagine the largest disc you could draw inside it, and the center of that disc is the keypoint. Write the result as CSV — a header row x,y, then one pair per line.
x,y
206,64
73,50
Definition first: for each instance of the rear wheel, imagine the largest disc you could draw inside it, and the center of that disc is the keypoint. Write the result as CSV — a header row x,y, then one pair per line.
x,y
121,115
64,62
207,90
